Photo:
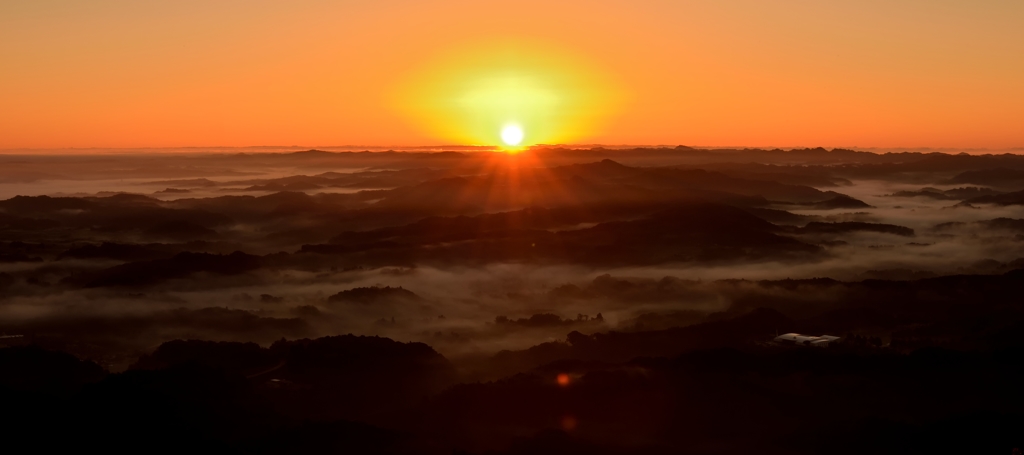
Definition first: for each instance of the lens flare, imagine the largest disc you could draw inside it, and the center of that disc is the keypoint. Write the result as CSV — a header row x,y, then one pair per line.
x,y
492,94
512,135
563,379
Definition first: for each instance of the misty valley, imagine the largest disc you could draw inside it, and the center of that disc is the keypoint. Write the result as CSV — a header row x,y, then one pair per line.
x,y
471,301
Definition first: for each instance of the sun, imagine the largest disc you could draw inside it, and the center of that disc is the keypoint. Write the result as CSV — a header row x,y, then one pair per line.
x,y
512,135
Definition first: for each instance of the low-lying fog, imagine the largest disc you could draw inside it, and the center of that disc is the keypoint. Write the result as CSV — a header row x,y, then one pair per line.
x,y
465,309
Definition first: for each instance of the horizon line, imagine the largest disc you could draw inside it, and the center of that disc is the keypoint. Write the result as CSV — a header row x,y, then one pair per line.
x,y
491,148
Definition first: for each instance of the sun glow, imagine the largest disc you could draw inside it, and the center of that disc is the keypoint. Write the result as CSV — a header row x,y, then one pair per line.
x,y
512,135
494,93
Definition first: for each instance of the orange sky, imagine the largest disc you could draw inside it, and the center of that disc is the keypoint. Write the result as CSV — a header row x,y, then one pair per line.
x,y
742,72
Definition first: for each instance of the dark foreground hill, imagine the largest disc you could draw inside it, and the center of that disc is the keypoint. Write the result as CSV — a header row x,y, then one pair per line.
x,y
725,400
946,378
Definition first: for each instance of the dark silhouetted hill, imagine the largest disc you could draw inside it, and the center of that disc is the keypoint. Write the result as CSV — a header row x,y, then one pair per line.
x,y
181,230
816,227
179,266
839,201
686,233
1009,224
1014,198
621,346
947,195
354,376
990,177
374,294
34,369
240,358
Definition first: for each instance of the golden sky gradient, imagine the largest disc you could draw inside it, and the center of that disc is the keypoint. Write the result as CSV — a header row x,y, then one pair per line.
x,y
868,73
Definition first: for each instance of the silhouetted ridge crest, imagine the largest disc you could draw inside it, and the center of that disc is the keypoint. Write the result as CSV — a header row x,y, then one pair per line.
x,y
738,331
232,356
1014,198
35,204
374,294
34,369
817,227
996,177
